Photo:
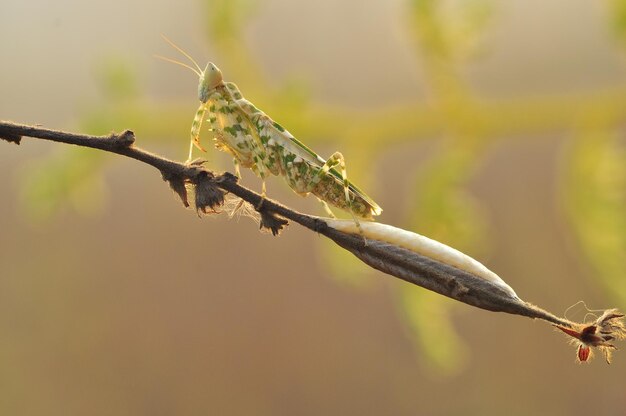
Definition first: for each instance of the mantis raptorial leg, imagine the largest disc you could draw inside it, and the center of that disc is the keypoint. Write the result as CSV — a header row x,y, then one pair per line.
x,y
196,125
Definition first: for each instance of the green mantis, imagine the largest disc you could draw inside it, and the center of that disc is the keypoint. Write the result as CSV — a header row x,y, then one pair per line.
x,y
259,143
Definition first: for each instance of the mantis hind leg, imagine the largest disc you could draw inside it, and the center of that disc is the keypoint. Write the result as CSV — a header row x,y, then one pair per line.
x,y
337,160
329,212
261,171
237,167
238,174
195,130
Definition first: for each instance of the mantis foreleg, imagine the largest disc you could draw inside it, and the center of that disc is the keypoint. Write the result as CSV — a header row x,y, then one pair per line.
x,y
195,129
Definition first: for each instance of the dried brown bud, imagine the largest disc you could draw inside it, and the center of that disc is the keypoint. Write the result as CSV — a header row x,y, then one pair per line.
x,y
124,139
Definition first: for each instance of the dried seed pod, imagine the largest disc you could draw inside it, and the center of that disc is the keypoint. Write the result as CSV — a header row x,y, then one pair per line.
x,y
423,246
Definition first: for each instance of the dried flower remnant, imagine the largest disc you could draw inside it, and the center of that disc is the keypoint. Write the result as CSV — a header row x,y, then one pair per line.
x,y
177,184
272,222
11,138
608,327
236,208
208,196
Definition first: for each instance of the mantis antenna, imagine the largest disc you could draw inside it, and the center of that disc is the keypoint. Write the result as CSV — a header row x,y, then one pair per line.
x,y
197,70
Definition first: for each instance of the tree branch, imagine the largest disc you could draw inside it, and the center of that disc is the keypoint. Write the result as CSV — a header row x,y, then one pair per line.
x,y
210,189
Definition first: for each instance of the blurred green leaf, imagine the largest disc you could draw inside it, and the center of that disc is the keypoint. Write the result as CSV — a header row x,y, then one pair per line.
x,y
594,197
344,267
69,177
73,176
617,17
449,30
117,78
443,209
226,18
427,314
428,27
446,212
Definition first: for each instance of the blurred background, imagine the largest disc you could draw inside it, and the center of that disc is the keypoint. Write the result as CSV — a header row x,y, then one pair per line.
x,y
495,127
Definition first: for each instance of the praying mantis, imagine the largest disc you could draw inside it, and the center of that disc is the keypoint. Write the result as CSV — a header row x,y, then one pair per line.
x,y
259,143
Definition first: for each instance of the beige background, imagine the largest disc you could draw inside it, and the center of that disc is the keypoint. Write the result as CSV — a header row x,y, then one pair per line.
x,y
142,308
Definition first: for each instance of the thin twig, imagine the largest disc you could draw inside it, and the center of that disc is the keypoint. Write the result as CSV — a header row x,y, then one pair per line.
x,y
399,262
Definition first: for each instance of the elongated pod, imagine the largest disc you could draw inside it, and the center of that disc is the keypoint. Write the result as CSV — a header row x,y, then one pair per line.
x,y
421,245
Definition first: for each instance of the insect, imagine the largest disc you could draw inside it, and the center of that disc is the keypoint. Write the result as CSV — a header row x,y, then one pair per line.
x,y
259,143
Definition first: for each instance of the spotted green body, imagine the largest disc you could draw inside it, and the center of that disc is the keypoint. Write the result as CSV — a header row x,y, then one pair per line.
x,y
259,143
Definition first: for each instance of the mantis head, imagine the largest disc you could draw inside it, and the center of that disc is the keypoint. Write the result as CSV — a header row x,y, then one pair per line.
x,y
210,78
